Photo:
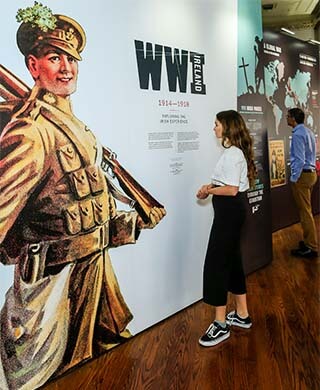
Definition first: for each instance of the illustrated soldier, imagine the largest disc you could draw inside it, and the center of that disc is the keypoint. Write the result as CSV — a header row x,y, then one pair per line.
x,y
259,65
273,166
58,218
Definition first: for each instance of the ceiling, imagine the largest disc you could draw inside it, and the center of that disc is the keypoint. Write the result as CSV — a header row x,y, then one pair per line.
x,y
294,14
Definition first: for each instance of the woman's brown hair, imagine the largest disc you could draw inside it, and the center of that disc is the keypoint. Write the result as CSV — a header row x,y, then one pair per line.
x,y
235,132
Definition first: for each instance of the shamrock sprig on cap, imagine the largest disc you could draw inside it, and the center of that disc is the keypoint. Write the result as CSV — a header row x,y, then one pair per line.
x,y
38,16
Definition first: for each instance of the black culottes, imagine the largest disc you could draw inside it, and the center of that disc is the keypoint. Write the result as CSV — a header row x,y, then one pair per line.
x,y
223,269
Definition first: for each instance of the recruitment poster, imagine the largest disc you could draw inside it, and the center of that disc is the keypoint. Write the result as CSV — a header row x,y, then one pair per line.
x,y
291,69
277,163
106,136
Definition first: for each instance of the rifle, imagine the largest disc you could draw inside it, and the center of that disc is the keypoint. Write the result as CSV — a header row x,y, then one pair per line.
x,y
12,90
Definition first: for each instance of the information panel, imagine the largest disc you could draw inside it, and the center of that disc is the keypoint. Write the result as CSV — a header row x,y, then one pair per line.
x,y
291,69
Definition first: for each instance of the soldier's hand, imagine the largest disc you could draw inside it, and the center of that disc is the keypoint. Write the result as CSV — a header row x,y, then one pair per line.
x,y
155,216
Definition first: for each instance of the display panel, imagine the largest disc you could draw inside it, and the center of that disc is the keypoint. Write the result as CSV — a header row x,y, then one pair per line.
x,y
257,240
149,85
291,68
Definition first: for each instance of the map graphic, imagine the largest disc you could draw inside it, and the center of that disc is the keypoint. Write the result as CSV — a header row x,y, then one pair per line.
x,y
284,93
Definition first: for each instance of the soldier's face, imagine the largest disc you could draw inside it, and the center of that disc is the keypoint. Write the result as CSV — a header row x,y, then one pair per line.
x,y
55,71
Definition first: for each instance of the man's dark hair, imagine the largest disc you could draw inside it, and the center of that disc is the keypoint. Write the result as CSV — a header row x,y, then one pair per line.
x,y
297,114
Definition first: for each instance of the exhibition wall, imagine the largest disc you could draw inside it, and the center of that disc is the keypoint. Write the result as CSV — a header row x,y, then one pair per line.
x,y
152,77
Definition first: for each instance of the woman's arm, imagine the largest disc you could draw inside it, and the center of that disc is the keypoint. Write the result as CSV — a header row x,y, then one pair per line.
x,y
223,190
209,189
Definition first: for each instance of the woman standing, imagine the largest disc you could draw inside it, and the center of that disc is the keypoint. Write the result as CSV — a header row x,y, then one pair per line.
x,y
223,269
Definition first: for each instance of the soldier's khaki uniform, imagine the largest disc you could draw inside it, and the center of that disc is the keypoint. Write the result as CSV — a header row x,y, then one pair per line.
x,y
57,221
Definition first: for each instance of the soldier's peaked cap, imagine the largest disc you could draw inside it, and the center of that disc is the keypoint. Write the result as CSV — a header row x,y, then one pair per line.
x,y
67,36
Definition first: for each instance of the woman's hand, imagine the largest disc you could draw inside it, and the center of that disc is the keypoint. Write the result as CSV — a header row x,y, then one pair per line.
x,y
203,192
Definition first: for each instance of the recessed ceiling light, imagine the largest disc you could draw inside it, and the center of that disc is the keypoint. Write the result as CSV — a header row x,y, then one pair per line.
x,y
287,31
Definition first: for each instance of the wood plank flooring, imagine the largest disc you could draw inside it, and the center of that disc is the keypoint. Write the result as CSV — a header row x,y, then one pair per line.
x,y
280,351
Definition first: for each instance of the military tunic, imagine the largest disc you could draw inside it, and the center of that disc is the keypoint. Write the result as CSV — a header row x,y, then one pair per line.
x,y
57,221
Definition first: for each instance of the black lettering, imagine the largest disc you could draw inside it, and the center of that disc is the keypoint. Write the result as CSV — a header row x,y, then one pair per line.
x,y
177,69
149,64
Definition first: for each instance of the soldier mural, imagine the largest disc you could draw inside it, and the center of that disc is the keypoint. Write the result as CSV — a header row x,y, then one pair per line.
x,y
58,215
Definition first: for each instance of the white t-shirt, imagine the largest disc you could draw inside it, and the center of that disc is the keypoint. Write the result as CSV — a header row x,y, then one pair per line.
x,y
231,169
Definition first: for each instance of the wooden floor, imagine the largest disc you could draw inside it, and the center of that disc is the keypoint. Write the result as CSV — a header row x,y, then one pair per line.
x,y
280,351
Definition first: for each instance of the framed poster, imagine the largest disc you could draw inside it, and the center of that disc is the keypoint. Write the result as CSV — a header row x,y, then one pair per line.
x,y
277,163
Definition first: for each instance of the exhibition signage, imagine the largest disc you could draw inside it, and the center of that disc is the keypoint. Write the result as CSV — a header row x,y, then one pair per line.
x,y
149,84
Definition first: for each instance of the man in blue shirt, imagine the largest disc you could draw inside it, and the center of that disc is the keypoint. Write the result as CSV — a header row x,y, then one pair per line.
x,y
303,178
